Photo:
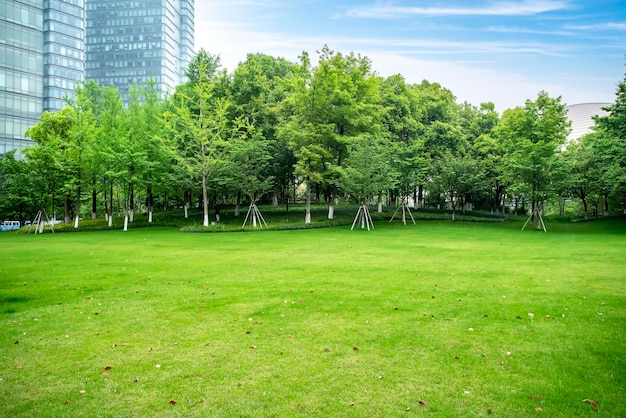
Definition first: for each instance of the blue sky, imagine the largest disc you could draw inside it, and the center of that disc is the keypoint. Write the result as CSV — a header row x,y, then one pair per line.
x,y
500,51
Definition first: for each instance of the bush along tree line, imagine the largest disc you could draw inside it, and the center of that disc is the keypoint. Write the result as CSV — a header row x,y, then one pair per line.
x,y
278,131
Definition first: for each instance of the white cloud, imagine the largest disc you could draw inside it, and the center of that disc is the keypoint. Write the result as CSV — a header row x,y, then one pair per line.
x,y
501,8
600,26
504,72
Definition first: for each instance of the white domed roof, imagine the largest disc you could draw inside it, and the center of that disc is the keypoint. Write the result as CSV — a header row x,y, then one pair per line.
x,y
582,115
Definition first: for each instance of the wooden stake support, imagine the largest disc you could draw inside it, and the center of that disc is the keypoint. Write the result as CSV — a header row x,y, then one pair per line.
x,y
405,209
39,222
255,216
536,212
364,217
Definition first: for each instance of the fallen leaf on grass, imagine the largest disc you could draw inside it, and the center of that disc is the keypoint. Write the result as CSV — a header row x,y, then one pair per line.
x,y
67,402
82,392
107,368
253,346
489,411
105,374
422,404
18,367
538,410
173,402
355,348
17,342
593,404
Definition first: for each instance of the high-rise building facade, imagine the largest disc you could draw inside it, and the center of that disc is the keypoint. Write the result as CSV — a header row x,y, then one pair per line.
x,y
131,42
41,60
48,46
64,50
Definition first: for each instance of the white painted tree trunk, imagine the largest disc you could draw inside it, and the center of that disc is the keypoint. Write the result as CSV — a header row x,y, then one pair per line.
x,y
76,222
217,218
132,215
331,211
307,213
110,221
206,220
106,216
237,209
274,199
380,206
150,216
125,222
186,210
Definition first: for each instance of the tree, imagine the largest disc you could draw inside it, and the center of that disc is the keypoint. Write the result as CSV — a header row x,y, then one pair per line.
x,y
111,129
200,123
256,91
334,103
458,177
534,135
61,141
18,200
367,171
401,129
583,170
610,145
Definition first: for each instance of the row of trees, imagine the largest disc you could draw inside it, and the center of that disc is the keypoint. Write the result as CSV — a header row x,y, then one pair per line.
x,y
336,129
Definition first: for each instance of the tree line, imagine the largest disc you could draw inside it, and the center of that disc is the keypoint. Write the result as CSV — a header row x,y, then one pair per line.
x,y
278,131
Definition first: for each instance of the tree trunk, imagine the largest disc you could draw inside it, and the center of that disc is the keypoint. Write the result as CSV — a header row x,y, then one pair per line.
x,y
131,203
274,199
94,204
380,202
77,214
331,203
307,214
238,204
66,209
150,203
125,217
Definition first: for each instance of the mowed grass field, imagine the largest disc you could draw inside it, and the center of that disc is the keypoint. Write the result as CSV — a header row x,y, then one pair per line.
x,y
439,318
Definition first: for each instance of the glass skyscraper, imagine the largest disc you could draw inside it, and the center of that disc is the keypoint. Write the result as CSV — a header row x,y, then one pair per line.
x,y
41,60
64,50
48,46
133,41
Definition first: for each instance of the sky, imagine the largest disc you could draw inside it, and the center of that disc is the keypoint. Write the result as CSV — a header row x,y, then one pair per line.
x,y
500,51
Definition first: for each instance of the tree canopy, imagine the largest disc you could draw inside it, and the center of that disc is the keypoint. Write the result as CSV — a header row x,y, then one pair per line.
x,y
321,129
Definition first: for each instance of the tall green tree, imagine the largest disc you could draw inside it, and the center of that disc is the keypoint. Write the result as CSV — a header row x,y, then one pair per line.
x,y
533,136
257,90
402,131
18,199
610,146
199,122
331,105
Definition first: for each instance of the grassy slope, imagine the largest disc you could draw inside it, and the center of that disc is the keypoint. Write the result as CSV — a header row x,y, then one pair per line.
x,y
344,323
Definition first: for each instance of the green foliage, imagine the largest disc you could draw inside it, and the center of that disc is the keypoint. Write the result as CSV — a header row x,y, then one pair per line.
x,y
533,135
275,129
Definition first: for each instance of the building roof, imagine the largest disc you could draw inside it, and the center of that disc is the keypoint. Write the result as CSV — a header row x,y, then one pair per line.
x,y
581,115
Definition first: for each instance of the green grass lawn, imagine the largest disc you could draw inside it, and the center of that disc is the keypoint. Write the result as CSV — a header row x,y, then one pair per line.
x,y
438,318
